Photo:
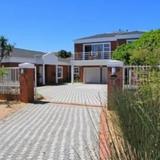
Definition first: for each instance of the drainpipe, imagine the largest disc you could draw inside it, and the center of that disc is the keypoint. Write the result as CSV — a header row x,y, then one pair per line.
x,y
72,73
44,75
56,74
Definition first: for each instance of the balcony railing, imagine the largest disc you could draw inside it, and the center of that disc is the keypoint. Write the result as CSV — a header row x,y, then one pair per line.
x,y
92,55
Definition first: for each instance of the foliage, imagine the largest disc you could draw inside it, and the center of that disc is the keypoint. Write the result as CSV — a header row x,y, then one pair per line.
x,y
145,50
123,53
139,116
64,54
3,72
5,48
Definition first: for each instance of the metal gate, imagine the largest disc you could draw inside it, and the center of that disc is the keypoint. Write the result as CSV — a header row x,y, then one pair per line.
x,y
9,80
132,75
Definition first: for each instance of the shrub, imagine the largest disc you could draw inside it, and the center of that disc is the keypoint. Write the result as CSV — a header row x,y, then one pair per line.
x,y
145,50
64,54
139,115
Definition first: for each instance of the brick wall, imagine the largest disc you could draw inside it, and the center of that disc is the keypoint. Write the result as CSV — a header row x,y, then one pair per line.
x,y
81,74
27,85
66,75
115,83
50,74
10,64
121,41
78,48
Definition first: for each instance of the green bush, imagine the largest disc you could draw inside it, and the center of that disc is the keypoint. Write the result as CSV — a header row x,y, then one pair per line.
x,y
3,72
145,50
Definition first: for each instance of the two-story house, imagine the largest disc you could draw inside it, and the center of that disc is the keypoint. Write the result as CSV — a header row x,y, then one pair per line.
x,y
94,53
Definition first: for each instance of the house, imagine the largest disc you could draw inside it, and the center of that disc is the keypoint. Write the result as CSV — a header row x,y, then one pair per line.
x,y
19,55
93,53
49,68
89,65
55,69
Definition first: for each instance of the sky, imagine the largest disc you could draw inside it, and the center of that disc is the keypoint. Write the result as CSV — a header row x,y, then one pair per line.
x,y
52,25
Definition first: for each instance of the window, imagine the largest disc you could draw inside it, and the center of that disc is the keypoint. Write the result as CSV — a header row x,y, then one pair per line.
x,y
97,50
76,73
60,72
107,47
76,70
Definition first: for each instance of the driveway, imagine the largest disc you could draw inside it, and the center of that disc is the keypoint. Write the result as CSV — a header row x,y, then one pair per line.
x,y
50,132
80,94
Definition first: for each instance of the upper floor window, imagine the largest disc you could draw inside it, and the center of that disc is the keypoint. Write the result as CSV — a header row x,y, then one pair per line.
x,y
107,47
97,50
60,72
97,47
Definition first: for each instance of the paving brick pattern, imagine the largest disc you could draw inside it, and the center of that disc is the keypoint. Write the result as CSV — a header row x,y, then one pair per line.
x,y
50,132
85,94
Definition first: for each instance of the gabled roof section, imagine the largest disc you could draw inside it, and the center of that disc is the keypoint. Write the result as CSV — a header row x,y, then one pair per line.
x,y
113,35
18,52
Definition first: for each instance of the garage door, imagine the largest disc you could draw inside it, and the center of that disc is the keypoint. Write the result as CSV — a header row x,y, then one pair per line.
x,y
92,75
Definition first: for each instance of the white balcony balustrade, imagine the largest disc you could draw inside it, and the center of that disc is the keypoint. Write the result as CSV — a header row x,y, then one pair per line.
x,y
92,55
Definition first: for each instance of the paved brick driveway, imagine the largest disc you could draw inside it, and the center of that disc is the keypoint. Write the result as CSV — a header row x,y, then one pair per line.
x,y
49,132
85,94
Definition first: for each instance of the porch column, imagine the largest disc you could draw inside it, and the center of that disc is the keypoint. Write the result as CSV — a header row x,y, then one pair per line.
x,y
44,80
72,73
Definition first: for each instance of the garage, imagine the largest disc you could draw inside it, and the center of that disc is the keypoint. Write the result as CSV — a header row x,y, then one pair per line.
x,y
95,75
92,75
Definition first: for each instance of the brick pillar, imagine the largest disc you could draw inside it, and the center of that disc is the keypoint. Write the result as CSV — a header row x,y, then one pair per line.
x,y
115,83
27,78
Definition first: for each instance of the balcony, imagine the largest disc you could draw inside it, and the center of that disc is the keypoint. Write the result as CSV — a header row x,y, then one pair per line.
x,y
92,55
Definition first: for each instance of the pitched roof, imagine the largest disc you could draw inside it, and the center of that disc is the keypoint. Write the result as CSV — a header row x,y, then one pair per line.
x,y
18,52
113,34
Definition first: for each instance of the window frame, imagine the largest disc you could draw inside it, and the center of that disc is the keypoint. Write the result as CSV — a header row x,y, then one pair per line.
x,y
92,44
76,73
60,70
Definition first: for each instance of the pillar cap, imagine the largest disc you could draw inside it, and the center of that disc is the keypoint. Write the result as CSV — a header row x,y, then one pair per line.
x,y
26,65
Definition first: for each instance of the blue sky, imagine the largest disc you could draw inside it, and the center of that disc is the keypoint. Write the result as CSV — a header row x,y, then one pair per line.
x,y
51,25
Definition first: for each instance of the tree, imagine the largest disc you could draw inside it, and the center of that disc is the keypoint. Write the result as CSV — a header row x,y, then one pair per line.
x,y
64,54
144,51
123,53
5,48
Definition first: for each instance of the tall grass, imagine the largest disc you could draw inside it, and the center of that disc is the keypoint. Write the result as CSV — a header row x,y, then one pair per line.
x,y
133,123
138,112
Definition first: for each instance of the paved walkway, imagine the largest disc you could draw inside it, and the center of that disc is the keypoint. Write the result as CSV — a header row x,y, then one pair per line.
x,y
50,132
84,94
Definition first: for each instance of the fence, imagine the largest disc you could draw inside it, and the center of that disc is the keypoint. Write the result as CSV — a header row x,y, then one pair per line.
x,y
9,81
134,75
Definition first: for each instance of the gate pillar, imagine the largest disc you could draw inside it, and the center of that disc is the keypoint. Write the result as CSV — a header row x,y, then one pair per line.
x,y
115,81
27,82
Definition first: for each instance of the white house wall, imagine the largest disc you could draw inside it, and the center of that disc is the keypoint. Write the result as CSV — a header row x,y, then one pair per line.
x,y
52,59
